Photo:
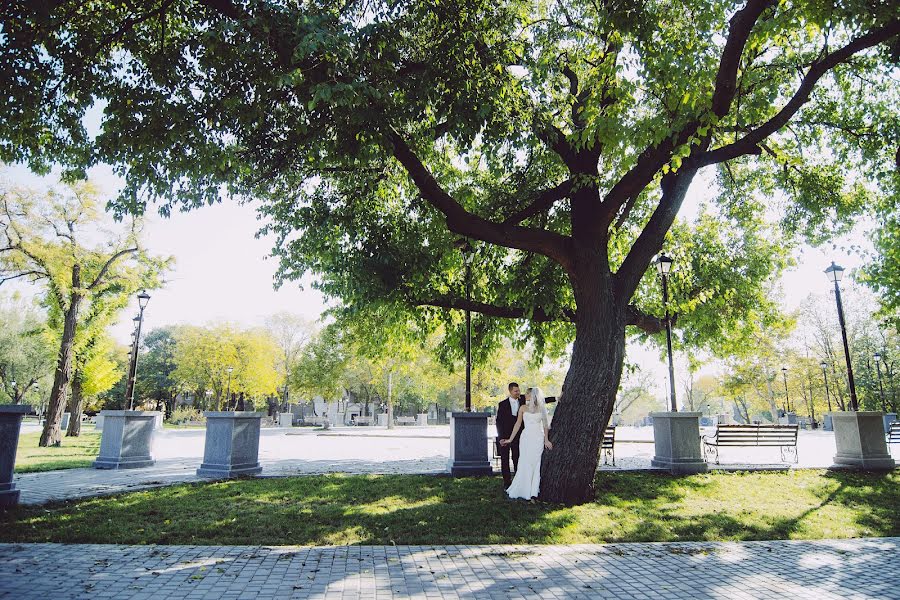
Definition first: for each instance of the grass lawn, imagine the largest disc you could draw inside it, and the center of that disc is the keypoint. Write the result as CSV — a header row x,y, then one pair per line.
x,y
411,509
73,453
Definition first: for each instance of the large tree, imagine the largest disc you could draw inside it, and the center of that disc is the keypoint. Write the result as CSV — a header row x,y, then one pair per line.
x,y
559,138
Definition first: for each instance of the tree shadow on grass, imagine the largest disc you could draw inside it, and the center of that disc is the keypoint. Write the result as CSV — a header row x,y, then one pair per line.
x,y
421,510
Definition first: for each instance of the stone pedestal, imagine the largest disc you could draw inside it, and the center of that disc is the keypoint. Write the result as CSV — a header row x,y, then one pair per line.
x,y
98,423
676,436
827,423
10,423
65,421
469,445
232,444
158,421
382,419
127,441
888,419
859,438
286,420
422,419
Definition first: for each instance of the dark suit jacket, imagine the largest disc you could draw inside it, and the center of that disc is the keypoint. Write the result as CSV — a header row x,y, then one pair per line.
x,y
506,420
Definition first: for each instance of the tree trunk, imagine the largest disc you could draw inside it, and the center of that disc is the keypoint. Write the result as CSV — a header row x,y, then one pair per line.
x,y
52,436
76,405
568,471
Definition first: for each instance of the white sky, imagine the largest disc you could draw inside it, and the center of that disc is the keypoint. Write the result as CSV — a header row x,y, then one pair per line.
x,y
222,271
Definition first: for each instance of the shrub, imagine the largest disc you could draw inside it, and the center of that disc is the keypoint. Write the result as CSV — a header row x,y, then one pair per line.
x,y
184,415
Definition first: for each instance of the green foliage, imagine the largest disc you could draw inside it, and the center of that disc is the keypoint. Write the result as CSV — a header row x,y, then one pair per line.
x,y
26,357
296,105
203,355
184,415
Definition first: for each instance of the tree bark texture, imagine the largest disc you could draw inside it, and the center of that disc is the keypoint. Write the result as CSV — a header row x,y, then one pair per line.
x,y
52,434
76,406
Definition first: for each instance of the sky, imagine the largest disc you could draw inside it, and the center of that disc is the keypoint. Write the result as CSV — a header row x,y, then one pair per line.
x,y
223,272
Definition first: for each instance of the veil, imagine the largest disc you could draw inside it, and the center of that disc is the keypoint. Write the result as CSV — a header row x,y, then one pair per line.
x,y
538,403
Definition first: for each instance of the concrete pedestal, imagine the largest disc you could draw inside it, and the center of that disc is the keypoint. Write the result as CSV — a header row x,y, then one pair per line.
x,y
888,419
286,420
10,423
232,444
98,423
422,419
859,438
468,444
158,421
827,423
127,441
382,419
676,436
65,421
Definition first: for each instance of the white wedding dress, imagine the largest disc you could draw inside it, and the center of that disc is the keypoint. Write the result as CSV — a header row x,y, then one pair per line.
x,y
527,481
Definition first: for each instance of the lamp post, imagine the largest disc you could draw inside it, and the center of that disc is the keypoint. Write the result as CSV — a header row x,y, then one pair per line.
x,y
787,398
835,273
143,298
15,399
880,386
229,370
467,251
664,265
208,397
824,366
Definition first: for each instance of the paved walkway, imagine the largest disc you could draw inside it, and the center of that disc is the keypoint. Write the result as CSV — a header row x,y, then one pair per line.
x,y
817,570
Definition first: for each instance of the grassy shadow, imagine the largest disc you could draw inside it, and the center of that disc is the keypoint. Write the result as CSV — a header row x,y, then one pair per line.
x,y
422,510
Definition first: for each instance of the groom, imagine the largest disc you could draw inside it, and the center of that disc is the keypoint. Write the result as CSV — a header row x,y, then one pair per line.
x,y
507,413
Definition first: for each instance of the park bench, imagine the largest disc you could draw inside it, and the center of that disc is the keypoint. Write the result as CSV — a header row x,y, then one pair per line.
x,y
893,434
608,447
405,420
781,436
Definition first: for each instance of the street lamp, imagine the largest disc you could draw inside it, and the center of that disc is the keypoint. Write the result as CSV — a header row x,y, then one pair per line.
x,y
143,298
880,386
835,273
468,253
15,392
787,398
664,265
824,366
228,370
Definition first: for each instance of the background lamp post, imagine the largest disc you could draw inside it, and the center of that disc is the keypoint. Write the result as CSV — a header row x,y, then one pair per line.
x,y
824,366
787,398
468,253
229,370
880,386
664,266
835,273
143,298
15,392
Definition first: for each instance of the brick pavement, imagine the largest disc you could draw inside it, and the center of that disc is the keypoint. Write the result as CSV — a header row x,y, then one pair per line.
x,y
820,570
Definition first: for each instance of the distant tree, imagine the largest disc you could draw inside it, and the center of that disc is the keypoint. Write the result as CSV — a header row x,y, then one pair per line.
x,y
26,357
46,238
156,366
291,333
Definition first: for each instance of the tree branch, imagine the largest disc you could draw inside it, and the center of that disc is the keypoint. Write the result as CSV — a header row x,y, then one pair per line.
x,y
108,264
654,158
749,143
542,201
649,242
643,321
462,222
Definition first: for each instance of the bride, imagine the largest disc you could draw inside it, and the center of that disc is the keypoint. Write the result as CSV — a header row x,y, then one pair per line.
x,y
533,416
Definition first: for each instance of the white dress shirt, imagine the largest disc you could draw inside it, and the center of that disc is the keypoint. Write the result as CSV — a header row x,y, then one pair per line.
x,y
513,407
